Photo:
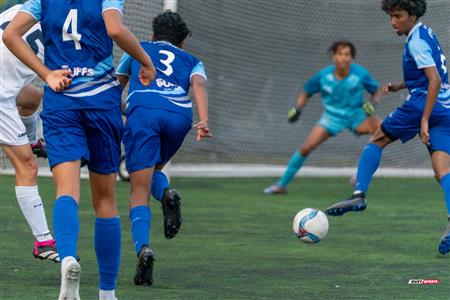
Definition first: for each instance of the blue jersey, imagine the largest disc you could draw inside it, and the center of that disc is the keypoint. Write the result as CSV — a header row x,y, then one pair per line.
x,y
75,38
341,98
422,50
170,89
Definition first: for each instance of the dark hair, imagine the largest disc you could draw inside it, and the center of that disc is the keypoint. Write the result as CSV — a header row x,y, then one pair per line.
x,y
169,26
413,7
342,43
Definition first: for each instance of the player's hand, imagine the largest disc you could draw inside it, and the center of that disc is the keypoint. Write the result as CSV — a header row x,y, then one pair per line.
x,y
424,133
202,130
390,87
294,114
369,109
147,74
58,80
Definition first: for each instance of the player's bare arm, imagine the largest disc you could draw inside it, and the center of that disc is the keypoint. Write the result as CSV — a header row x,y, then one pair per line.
x,y
434,84
12,37
198,85
393,87
123,80
129,43
295,112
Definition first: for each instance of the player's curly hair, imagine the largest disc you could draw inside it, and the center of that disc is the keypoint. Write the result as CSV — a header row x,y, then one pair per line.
x,y
342,43
413,7
169,26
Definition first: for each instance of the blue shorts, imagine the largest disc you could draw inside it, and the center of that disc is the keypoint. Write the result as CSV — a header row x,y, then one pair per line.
x,y
404,124
90,134
153,136
335,124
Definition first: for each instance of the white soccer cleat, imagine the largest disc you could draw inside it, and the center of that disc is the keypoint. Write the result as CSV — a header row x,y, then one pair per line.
x,y
70,279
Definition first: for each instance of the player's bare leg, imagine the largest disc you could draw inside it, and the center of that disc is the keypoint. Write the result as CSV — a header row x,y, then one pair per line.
x,y
29,200
140,216
369,126
441,166
28,102
368,164
317,136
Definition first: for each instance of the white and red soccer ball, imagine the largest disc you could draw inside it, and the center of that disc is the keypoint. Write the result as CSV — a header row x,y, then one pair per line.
x,y
310,225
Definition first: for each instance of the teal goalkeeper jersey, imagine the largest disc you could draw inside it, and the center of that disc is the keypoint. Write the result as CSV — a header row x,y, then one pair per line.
x,y
342,97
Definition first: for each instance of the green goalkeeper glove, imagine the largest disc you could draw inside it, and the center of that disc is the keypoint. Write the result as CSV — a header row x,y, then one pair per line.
x,y
294,113
369,109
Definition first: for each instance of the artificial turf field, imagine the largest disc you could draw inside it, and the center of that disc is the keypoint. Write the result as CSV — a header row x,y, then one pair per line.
x,y
236,243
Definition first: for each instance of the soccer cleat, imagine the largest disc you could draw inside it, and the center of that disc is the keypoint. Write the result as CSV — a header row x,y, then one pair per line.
x,y
274,189
171,206
46,250
144,267
70,279
444,245
39,148
356,202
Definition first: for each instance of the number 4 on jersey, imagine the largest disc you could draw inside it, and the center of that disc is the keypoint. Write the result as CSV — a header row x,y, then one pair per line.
x,y
72,21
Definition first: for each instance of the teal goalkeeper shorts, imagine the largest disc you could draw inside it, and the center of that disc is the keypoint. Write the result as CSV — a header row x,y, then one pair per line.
x,y
334,124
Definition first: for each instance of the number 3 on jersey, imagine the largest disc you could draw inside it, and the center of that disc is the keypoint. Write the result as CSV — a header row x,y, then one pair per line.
x,y
167,62
72,22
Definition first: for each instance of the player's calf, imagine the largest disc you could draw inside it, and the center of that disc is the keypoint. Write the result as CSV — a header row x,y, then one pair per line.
x,y
171,206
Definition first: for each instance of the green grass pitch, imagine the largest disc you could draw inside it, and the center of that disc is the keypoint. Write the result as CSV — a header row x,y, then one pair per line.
x,y
236,243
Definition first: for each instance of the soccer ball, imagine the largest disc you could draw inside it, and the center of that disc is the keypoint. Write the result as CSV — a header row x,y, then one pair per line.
x,y
310,225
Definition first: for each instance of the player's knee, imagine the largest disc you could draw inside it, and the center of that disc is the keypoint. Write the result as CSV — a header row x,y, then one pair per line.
x,y
305,150
28,169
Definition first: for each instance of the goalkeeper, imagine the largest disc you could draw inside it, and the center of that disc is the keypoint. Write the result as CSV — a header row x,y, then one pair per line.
x,y
342,88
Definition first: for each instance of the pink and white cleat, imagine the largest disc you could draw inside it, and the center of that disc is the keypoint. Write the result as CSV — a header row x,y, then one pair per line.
x,y
46,250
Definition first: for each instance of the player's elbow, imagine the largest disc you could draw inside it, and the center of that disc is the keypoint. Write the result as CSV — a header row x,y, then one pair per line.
x,y
8,37
115,31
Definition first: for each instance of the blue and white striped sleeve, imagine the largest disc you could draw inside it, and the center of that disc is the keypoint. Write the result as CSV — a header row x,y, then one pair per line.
x,y
199,69
421,53
32,7
124,67
113,4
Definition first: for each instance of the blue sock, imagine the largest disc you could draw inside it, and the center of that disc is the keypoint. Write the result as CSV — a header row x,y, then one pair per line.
x,y
66,226
107,243
445,183
141,218
159,184
293,166
367,166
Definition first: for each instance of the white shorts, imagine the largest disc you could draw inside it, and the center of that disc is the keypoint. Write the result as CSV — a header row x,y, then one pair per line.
x,y
12,130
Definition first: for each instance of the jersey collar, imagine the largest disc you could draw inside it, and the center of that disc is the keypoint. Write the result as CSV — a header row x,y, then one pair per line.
x,y
414,29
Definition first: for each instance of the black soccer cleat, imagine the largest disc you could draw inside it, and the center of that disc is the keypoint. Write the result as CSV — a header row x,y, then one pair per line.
x,y
171,206
144,267
356,202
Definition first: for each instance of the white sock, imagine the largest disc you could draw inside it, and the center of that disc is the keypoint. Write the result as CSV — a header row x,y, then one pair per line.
x,y
33,210
31,124
107,295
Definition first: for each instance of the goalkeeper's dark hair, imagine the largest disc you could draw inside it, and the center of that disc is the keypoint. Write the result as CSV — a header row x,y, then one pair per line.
x,y
413,7
169,26
342,43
